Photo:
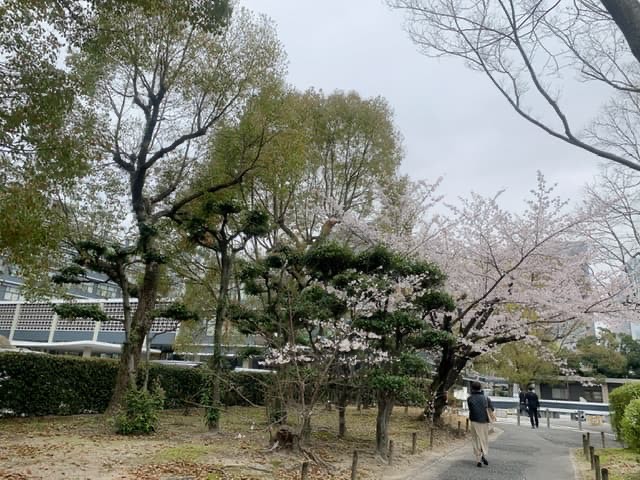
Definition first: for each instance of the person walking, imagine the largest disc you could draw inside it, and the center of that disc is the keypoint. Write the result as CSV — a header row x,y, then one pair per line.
x,y
523,407
479,405
533,403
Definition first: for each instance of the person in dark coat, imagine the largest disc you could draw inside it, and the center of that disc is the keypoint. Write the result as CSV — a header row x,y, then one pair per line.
x,y
523,407
479,420
532,402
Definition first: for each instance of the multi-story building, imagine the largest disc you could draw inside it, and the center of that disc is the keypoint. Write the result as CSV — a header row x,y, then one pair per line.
x,y
36,326
98,286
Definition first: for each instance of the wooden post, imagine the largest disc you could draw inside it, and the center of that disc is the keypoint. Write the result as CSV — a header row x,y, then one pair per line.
x,y
431,438
406,409
602,435
390,452
304,473
605,474
414,439
518,415
459,429
354,465
548,419
466,428
585,446
591,454
596,464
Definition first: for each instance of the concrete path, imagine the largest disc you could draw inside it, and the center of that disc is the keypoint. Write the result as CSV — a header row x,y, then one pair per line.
x,y
515,453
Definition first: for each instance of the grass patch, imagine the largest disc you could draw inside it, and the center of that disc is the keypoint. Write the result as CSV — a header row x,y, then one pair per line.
x,y
183,453
622,463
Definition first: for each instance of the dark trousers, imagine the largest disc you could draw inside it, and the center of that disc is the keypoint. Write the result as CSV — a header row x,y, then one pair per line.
x,y
533,416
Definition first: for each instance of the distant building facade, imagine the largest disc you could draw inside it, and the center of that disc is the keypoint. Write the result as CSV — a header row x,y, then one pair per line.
x,y
35,325
98,287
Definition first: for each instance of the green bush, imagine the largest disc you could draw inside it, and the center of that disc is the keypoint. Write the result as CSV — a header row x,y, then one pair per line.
x,y
141,412
32,384
182,386
618,401
630,425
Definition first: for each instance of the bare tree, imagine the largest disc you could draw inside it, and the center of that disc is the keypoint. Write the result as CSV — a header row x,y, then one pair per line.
x,y
612,207
529,48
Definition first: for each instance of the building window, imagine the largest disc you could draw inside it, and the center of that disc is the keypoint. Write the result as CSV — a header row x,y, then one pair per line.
x,y
592,394
559,393
11,294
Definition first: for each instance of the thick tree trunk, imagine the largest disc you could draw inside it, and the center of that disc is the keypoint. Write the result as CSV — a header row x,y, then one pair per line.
x,y
626,14
136,332
385,407
449,368
124,378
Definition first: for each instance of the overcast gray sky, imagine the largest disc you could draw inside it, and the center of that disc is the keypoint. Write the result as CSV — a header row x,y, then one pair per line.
x,y
453,122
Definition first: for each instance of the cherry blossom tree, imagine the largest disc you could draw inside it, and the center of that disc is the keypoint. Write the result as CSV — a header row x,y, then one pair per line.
x,y
303,322
510,273
394,297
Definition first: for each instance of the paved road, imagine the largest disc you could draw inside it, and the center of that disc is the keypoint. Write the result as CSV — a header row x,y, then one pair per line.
x,y
517,453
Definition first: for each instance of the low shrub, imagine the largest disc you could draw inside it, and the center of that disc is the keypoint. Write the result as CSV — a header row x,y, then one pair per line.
x,y
618,401
630,425
141,412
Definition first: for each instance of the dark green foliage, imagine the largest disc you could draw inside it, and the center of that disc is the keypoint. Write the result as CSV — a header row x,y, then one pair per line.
x,y
388,382
250,351
275,260
70,274
176,311
248,271
141,412
413,365
74,311
414,393
618,401
327,259
220,207
255,223
376,260
429,338
436,300
55,385
314,302
35,385
181,385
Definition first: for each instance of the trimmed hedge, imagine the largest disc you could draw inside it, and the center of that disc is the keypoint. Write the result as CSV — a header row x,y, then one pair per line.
x,y
618,401
630,425
32,384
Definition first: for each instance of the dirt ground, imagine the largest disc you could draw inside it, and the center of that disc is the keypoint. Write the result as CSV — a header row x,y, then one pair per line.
x,y
84,447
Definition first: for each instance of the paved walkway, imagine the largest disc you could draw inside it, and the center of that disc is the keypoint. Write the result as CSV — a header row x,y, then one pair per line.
x,y
515,453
